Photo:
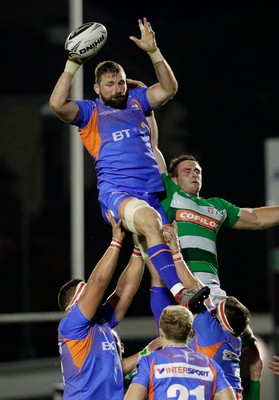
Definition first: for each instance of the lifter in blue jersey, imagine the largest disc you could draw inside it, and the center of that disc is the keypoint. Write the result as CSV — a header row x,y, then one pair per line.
x,y
90,362
176,371
115,132
217,329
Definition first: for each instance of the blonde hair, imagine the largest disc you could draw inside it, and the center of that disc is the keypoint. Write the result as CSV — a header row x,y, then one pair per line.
x,y
177,323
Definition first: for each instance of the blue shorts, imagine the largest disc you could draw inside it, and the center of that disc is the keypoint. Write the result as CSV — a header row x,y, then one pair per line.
x,y
112,200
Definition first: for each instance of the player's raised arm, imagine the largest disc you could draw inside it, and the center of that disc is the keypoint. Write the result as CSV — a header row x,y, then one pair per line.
x,y
167,85
82,44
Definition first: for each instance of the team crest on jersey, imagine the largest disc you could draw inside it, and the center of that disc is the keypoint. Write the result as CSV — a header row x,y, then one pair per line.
x,y
212,210
229,355
135,106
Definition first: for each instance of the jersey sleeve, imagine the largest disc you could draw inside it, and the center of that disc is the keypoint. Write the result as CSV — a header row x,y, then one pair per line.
x,y
170,189
107,314
208,330
143,367
139,94
233,212
221,380
86,108
75,325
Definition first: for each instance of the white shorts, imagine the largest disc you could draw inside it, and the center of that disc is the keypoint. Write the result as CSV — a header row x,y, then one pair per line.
x,y
212,281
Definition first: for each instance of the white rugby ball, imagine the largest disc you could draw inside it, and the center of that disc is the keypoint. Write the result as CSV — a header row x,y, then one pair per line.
x,y
86,40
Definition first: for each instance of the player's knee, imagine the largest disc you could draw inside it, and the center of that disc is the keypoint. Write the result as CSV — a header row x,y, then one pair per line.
x,y
151,219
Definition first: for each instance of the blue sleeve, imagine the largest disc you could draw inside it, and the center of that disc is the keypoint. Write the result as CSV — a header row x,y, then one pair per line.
x,y
222,382
75,325
140,96
207,329
86,108
107,314
142,377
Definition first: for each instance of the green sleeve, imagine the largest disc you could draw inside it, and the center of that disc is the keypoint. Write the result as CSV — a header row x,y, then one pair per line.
x,y
170,189
233,212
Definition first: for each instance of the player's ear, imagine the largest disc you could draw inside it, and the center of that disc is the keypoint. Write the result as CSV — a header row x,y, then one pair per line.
x,y
96,88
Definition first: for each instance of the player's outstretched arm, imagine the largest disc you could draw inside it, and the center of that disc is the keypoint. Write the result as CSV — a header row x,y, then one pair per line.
x,y
136,392
127,285
225,394
129,363
59,101
102,273
154,138
188,279
81,45
167,85
258,218
185,275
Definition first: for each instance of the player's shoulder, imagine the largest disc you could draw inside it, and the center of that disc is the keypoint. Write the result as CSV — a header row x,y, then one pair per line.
x,y
217,202
73,322
89,102
139,95
198,356
137,92
86,103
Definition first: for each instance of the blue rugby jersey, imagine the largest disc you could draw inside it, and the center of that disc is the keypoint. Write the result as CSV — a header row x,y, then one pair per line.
x,y
211,339
90,363
180,373
119,144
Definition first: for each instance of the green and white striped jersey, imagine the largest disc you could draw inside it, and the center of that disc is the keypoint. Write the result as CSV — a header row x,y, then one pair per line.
x,y
198,221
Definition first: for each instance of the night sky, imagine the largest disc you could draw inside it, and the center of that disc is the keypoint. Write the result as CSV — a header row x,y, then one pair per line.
x,y
225,60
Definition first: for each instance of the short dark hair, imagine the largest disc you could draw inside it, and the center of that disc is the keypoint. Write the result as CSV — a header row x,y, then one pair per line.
x,y
177,160
237,314
67,292
107,67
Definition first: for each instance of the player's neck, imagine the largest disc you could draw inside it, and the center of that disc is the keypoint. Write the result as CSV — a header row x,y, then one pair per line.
x,y
171,343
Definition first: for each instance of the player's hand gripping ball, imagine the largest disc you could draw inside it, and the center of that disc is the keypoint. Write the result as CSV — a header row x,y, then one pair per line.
x,y
86,40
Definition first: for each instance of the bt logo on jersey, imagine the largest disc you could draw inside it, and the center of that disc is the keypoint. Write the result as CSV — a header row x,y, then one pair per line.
x,y
109,346
120,135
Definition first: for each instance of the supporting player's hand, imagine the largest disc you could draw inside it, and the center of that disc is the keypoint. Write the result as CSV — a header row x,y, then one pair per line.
x,y
117,229
133,84
154,344
274,365
171,237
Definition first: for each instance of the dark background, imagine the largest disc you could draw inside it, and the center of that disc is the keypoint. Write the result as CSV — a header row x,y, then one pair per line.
x,y
225,61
